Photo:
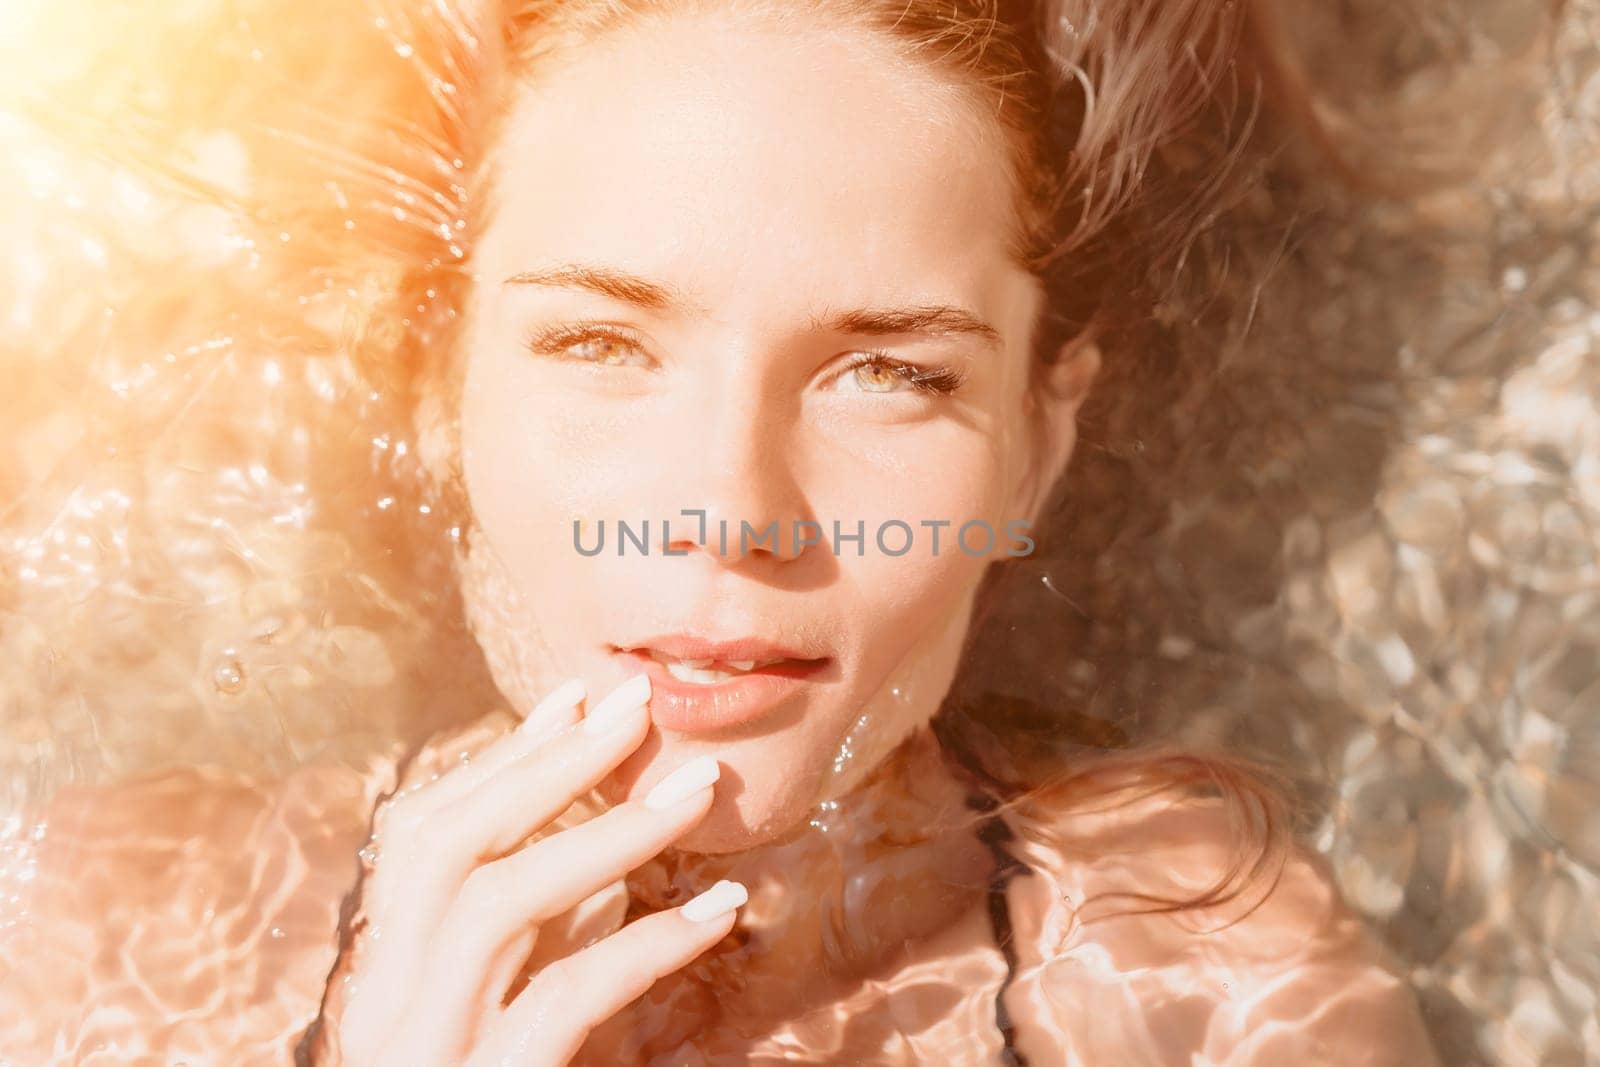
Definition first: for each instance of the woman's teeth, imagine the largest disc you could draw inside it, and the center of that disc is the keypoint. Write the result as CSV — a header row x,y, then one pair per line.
x,y
698,675
700,671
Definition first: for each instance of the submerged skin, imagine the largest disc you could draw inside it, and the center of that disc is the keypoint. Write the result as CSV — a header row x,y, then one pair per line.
x,y
194,915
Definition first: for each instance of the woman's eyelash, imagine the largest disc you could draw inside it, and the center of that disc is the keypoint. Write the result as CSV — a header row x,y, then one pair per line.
x,y
555,340
939,380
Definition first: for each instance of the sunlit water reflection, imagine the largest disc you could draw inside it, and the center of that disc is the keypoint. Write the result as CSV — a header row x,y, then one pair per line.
x,y
1360,536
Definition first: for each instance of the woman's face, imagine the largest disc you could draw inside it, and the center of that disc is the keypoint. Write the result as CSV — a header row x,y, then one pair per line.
x,y
700,227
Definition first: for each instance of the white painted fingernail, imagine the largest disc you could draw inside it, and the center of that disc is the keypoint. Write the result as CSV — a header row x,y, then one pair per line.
x,y
565,695
618,706
684,782
718,900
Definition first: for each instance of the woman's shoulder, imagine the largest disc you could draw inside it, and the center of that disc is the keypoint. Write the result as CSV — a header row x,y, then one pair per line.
x,y
1281,969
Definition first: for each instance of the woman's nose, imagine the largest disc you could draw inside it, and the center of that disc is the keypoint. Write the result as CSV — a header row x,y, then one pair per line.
x,y
732,487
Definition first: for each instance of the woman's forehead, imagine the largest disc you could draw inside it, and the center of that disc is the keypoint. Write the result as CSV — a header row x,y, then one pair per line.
x,y
789,160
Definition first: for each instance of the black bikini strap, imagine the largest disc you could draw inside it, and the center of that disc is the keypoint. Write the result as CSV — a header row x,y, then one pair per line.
x,y
995,833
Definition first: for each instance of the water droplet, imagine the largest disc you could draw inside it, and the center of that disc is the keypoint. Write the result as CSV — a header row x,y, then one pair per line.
x,y
847,747
228,677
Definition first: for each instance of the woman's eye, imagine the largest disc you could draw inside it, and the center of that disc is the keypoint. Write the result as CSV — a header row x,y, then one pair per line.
x,y
599,347
876,372
868,372
879,377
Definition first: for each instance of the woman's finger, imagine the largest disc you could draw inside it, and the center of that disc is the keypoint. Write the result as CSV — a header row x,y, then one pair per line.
x,y
511,805
419,833
597,916
424,860
548,1021
557,710
505,970
501,900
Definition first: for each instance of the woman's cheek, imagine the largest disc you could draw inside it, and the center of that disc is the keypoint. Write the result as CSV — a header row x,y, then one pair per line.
x,y
910,511
918,576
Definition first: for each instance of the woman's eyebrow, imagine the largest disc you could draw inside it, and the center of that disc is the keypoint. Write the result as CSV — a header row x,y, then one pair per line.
x,y
938,319
608,281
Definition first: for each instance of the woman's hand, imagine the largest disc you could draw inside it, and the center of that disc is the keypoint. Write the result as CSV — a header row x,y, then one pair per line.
x,y
459,899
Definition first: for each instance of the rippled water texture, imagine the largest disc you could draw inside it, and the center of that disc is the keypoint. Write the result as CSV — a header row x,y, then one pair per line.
x,y
1361,534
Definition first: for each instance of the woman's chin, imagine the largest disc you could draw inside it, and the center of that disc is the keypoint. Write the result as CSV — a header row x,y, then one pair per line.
x,y
743,818
718,834
739,819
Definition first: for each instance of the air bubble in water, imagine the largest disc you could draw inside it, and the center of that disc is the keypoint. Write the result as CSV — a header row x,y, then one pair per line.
x,y
228,676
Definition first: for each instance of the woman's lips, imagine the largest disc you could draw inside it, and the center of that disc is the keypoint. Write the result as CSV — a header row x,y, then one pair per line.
x,y
698,707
